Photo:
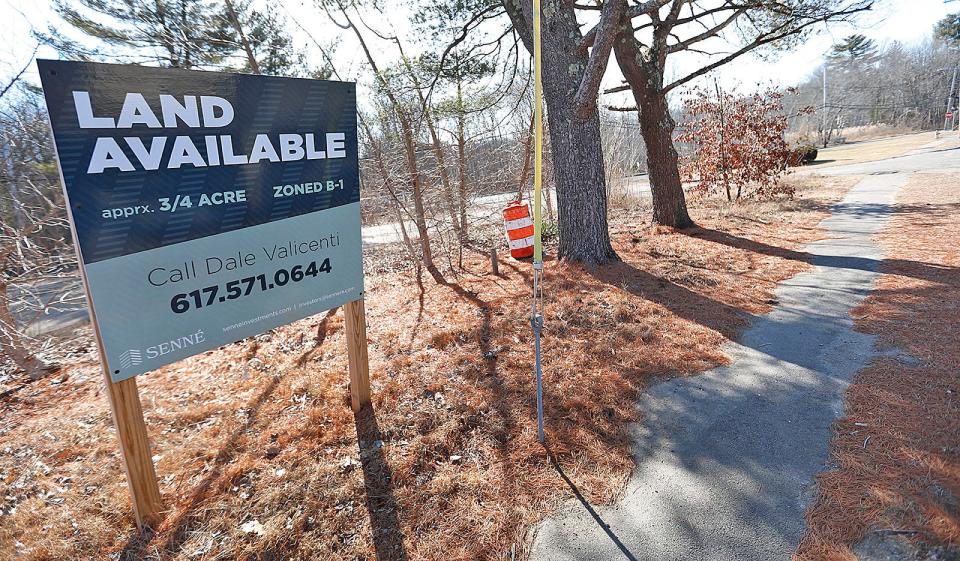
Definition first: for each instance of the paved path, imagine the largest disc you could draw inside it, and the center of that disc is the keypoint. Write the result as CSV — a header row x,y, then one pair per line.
x,y
725,460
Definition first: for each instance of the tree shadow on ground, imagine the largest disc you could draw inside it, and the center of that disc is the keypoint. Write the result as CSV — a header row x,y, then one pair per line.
x,y
378,481
753,487
140,544
491,379
680,300
797,407
925,271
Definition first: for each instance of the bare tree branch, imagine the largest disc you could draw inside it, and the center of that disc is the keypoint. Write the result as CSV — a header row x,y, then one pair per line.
x,y
781,32
585,99
19,75
712,32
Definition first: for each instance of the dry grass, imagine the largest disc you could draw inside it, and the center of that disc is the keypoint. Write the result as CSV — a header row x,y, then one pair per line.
x,y
874,132
872,150
897,449
853,134
257,448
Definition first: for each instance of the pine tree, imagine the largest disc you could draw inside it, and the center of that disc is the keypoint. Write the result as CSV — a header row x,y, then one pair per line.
x,y
266,45
948,29
854,48
175,33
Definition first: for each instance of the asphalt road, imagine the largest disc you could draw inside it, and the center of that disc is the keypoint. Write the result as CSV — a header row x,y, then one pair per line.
x,y
49,306
484,209
725,460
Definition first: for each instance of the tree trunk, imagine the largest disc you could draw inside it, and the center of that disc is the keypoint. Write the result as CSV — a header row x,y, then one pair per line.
x,y
580,182
13,347
410,153
669,203
656,127
419,211
436,144
462,164
247,49
575,140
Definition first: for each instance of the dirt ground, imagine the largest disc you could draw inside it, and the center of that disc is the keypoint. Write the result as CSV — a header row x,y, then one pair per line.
x,y
257,448
895,480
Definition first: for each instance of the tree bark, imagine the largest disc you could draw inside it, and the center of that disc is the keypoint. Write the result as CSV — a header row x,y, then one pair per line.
x,y
656,127
575,137
410,155
247,49
420,215
462,167
669,202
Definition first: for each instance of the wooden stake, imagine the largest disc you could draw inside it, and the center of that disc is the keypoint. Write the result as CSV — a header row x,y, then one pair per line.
x,y
494,265
135,449
131,432
356,325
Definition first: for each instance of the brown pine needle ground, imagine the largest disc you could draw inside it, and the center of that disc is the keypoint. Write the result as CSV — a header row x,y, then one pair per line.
x,y
897,449
257,448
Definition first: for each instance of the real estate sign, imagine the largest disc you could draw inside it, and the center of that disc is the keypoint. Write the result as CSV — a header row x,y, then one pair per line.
x,y
206,207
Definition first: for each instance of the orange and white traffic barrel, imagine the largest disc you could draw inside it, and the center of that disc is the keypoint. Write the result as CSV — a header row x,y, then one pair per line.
x,y
519,227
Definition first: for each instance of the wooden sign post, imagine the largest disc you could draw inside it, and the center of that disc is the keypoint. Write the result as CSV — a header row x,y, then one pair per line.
x,y
131,429
135,448
356,331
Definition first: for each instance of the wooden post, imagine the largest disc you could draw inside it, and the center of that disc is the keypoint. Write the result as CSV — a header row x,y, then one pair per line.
x,y
494,265
131,428
128,420
135,449
356,326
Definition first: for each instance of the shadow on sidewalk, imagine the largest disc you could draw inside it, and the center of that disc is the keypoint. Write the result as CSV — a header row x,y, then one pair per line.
x,y
593,513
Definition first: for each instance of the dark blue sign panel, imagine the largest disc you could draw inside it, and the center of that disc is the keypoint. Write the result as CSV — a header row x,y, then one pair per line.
x,y
206,207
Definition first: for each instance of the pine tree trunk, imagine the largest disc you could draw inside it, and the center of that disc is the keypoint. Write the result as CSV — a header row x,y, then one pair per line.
x,y
576,152
669,203
419,209
244,41
437,145
656,127
579,180
409,151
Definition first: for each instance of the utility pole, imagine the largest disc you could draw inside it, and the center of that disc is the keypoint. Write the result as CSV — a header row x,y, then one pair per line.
x,y
823,117
955,117
948,116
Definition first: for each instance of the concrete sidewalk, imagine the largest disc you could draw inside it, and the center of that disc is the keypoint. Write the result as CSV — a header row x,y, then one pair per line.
x,y
726,460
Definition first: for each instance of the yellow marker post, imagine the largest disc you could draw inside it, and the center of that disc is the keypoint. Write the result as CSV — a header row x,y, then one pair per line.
x,y
536,310
538,131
